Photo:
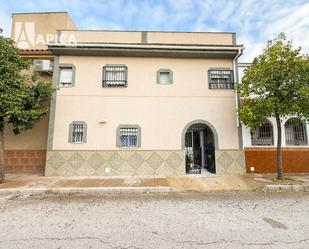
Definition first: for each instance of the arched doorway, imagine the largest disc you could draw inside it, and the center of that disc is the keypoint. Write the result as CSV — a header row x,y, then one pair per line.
x,y
199,143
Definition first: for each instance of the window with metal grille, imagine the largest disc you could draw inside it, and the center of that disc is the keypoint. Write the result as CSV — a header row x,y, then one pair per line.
x,y
221,79
295,132
66,75
263,135
128,136
115,76
78,132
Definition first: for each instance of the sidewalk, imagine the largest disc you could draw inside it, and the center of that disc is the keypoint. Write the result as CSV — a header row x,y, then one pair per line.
x,y
36,184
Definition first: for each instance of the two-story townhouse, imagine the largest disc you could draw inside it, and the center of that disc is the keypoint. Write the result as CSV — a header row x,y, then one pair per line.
x,y
260,144
144,103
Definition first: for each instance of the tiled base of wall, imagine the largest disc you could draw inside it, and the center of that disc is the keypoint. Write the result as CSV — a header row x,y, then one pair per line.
x,y
230,162
25,161
115,163
294,160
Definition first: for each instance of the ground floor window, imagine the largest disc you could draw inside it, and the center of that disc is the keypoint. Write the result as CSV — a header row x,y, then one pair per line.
x,y
128,136
263,135
295,132
78,132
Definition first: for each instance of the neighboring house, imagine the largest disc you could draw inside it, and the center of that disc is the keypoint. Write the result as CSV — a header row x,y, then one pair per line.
x,y
260,144
26,153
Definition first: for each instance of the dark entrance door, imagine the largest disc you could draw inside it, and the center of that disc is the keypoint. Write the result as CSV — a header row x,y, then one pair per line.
x,y
200,150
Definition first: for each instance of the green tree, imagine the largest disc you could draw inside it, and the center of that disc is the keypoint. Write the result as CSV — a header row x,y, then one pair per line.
x,y
23,96
275,85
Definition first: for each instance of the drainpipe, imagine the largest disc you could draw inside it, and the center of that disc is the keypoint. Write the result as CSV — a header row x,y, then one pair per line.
x,y
235,70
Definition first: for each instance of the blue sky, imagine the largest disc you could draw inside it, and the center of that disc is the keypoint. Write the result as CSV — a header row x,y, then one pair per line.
x,y
254,21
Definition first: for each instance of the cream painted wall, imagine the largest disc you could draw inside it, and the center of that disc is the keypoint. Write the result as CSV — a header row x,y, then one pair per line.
x,y
192,38
162,111
190,76
33,139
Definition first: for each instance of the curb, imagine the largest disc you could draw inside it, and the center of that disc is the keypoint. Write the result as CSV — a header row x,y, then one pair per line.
x,y
287,188
88,191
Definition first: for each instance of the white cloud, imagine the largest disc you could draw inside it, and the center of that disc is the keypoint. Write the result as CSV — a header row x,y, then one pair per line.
x,y
255,22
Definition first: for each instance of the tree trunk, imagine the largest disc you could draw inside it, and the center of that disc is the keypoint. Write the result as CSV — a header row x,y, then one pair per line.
x,y
279,152
2,173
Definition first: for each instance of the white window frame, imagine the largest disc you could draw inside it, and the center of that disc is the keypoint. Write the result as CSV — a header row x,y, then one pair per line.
x,y
64,67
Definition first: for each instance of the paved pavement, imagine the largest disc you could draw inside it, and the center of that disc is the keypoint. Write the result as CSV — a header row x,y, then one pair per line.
x,y
136,184
239,220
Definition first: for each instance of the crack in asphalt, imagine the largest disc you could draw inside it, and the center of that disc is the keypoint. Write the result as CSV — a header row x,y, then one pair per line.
x,y
200,243
71,239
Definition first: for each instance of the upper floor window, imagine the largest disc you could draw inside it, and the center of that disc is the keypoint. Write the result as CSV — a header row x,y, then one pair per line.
x,y
221,79
263,135
295,132
164,77
66,75
115,76
129,136
78,132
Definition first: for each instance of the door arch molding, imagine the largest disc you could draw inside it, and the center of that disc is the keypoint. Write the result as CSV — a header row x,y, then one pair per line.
x,y
199,121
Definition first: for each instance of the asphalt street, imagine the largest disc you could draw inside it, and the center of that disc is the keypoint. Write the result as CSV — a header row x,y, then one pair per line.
x,y
214,220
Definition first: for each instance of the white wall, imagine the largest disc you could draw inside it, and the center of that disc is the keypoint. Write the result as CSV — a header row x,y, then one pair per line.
x,y
247,136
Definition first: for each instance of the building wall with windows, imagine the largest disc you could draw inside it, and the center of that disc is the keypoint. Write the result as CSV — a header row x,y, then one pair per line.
x,y
137,126
260,145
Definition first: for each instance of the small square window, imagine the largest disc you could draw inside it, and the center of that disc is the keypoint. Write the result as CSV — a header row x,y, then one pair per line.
x,y
66,76
164,77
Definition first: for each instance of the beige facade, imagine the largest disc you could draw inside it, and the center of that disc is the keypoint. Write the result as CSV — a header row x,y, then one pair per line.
x,y
150,37
162,112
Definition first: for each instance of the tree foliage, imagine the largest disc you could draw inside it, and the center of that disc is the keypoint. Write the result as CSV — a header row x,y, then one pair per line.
x,y
277,83
23,96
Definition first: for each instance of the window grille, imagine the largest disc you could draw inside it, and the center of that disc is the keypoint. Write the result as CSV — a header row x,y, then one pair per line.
x,y
295,132
221,79
78,132
115,76
263,135
129,137
66,76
